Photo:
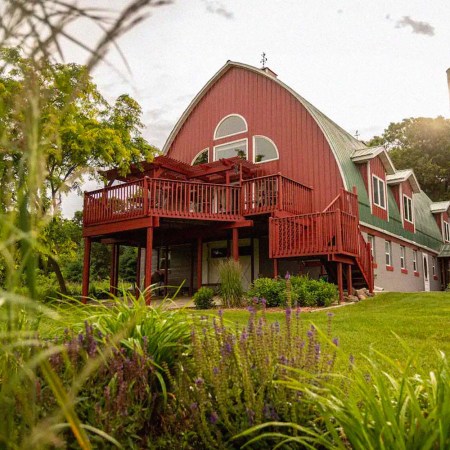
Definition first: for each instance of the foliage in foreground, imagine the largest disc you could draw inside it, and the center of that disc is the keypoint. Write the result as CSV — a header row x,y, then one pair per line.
x,y
137,346
373,408
229,384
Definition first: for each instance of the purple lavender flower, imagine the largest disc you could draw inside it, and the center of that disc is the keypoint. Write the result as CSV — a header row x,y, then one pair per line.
x,y
287,276
220,312
351,360
283,359
251,309
244,336
288,313
213,418
215,370
330,314
193,406
199,381
263,302
336,341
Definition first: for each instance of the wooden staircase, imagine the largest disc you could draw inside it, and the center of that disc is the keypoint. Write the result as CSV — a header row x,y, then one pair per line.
x,y
333,235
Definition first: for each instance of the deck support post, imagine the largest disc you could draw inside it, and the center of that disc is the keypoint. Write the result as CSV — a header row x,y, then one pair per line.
x,y
138,272
275,268
235,246
148,264
349,280
199,262
114,273
86,269
340,282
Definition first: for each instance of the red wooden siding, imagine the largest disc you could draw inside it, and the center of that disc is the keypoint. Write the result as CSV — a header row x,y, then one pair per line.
x,y
377,168
270,110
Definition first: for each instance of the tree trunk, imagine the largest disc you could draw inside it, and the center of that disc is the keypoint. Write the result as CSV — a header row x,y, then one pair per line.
x,y
59,276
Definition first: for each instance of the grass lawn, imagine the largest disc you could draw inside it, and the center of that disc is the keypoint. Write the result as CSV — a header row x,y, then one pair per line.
x,y
421,320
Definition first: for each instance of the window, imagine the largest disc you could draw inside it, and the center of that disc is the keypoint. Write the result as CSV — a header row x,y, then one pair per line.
x,y
264,149
229,126
231,149
446,231
371,241
407,209
201,158
379,194
388,252
415,260
402,257
433,263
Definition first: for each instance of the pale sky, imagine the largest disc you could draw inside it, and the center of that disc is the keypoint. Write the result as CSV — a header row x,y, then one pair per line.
x,y
362,63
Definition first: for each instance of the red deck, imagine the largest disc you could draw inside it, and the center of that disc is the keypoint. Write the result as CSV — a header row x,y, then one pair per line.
x,y
195,200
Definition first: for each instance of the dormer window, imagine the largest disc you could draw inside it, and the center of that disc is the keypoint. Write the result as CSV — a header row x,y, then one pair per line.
x,y
408,209
379,192
229,126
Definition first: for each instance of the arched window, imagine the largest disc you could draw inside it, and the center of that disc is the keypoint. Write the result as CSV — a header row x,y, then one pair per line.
x,y
229,126
201,157
264,149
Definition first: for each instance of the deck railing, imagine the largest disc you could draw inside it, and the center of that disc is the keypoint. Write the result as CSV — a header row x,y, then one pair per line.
x,y
114,203
193,200
164,198
275,193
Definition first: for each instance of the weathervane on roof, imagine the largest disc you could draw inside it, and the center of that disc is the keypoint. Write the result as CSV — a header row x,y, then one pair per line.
x,y
263,60
357,134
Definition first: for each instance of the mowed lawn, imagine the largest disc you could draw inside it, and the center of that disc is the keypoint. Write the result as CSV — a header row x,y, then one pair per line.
x,y
421,320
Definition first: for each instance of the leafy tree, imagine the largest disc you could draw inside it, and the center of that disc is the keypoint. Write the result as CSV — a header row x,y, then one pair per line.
x,y
78,126
422,144
75,130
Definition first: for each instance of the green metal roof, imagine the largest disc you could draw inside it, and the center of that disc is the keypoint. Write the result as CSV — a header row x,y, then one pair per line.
x,y
344,145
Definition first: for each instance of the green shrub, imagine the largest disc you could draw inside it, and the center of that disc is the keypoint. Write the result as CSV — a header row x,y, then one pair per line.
x,y
231,289
270,289
229,383
203,298
310,292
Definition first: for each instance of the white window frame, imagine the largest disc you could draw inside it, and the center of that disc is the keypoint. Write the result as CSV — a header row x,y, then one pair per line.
x,y
408,208
254,149
402,257
433,265
232,134
388,253
379,181
371,241
199,153
415,261
216,147
446,231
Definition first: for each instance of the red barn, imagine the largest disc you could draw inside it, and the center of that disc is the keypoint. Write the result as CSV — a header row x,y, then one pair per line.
x,y
254,171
